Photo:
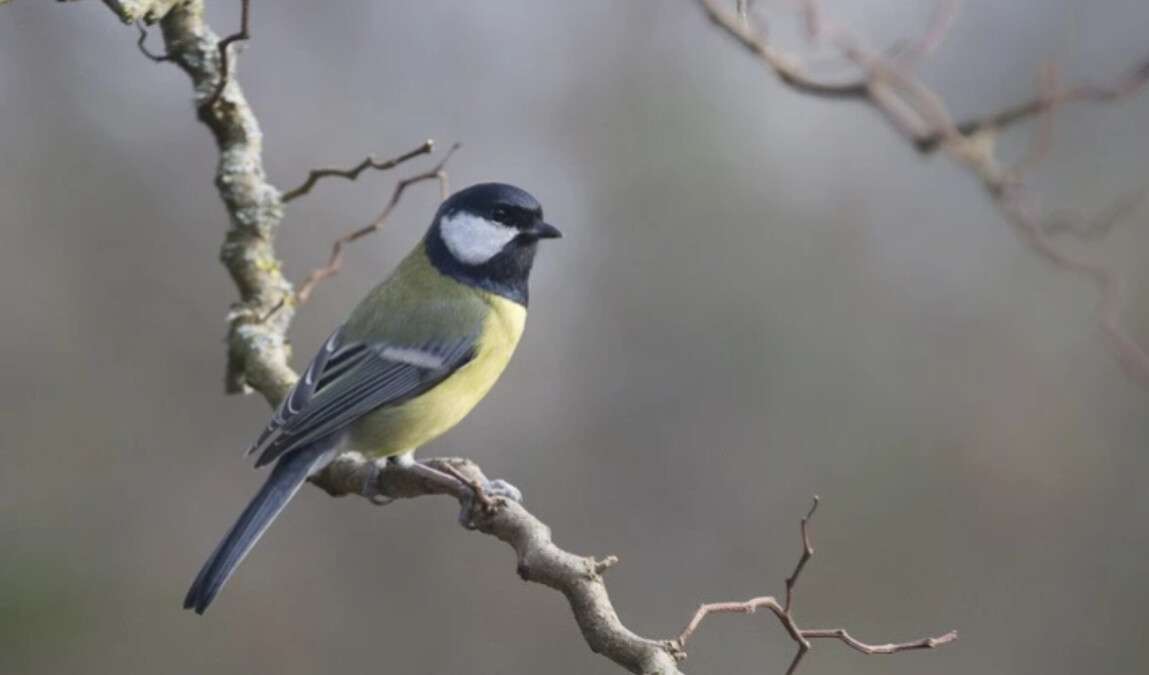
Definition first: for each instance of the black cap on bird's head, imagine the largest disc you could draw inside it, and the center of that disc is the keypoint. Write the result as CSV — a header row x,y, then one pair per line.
x,y
486,236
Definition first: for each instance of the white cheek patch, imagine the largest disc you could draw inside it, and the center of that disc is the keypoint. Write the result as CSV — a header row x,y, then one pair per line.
x,y
474,240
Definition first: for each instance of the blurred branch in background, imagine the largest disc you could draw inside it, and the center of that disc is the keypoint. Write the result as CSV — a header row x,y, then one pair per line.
x,y
920,116
258,354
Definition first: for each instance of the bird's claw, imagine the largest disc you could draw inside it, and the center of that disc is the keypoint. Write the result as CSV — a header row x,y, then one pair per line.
x,y
484,498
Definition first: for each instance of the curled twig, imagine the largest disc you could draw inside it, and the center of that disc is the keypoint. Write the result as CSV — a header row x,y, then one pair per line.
x,y
353,173
141,43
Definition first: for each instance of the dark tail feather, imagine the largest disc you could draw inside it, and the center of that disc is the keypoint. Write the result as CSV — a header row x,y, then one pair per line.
x,y
284,481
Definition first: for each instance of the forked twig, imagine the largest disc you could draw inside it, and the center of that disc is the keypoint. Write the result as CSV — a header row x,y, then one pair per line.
x,y
335,262
785,616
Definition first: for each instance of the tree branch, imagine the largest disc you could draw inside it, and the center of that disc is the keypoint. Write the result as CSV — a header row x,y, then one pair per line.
x,y
920,116
539,560
257,349
579,578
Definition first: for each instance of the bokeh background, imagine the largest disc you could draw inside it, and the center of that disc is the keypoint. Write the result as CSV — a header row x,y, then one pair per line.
x,y
760,297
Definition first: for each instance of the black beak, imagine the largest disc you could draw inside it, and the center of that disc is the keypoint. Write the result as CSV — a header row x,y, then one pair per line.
x,y
542,230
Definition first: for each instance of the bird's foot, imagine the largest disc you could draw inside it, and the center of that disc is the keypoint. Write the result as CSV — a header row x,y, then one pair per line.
x,y
484,499
483,496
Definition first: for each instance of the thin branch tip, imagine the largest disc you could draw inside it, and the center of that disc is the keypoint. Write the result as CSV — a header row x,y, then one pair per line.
x,y
315,175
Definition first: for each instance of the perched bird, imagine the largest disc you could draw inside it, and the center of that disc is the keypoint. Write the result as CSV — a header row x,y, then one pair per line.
x,y
412,360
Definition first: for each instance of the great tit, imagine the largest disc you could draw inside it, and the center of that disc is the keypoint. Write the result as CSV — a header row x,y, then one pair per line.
x,y
412,360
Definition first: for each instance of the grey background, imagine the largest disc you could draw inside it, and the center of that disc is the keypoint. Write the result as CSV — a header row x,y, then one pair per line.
x,y
760,296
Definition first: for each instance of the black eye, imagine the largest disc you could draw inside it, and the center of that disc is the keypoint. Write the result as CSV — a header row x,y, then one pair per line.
x,y
501,214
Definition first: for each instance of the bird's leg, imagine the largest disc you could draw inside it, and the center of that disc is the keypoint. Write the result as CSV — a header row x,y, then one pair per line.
x,y
470,492
456,483
433,480
447,482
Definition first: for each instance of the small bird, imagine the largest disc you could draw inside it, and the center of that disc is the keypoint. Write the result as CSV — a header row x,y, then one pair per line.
x,y
412,360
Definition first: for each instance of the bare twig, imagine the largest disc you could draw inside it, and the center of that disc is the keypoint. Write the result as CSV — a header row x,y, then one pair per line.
x,y
888,648
920,115
335,262
807,553
1132,82
785,616
225,67
353,173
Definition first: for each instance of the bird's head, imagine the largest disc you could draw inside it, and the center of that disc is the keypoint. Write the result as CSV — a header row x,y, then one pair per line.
x,y
486,235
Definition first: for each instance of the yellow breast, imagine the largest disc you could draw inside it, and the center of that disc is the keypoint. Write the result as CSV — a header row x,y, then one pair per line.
x,y
399,429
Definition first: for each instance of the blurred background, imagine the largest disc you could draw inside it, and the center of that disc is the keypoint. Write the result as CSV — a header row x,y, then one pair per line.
x,y
760,297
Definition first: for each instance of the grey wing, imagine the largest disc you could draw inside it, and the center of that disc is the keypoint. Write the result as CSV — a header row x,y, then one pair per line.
x,y
348,379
